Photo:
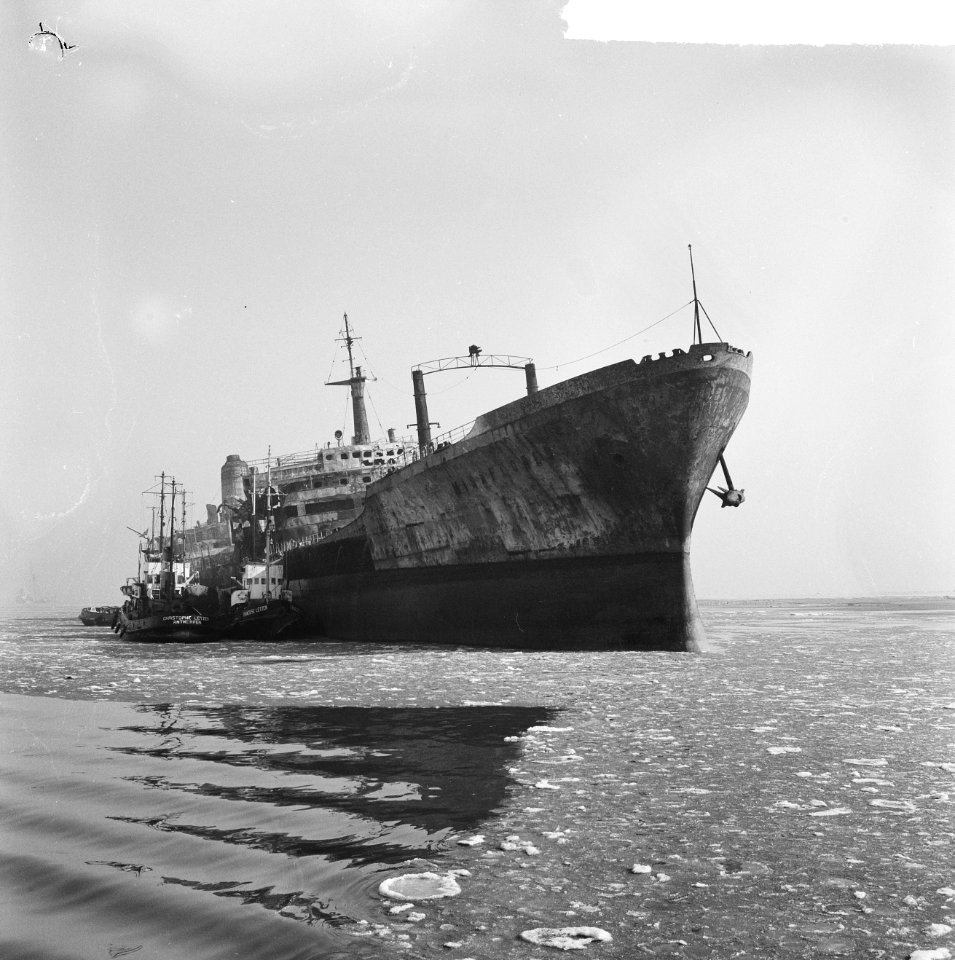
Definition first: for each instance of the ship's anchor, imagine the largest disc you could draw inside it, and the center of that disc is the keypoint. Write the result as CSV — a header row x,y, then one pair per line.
x,y
730,496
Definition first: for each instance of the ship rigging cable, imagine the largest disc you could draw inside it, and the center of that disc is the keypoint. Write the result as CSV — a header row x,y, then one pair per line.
x,y
655,323
713,325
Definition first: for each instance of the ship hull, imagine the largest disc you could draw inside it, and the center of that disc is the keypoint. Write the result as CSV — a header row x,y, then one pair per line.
x,y
642,601
562,520
262,621
99,616
167,628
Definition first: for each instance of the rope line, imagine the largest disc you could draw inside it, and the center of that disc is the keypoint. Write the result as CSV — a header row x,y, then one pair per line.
x,y
332,367
374,410
713,325
453,386
380,379
568,363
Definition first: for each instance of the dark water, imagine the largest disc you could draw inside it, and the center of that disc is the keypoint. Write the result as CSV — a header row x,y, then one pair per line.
x,y
229,830
792,796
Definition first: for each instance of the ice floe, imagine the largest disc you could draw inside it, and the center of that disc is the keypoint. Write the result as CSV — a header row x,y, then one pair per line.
x,y
566,938
420,886
947,767
903,806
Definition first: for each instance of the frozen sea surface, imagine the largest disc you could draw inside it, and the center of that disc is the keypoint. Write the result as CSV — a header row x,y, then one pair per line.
x,y
790,796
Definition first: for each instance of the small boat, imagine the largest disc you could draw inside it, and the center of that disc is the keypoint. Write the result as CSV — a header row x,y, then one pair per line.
x,y
164,603
260,603
99,616
262,608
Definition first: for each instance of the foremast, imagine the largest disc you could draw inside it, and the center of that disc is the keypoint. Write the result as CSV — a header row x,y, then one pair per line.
x,y
356,384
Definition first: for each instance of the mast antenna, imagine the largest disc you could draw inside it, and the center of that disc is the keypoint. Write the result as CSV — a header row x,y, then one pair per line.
x,y
697,330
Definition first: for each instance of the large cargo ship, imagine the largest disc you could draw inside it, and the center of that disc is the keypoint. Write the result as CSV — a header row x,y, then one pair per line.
x,y
559,520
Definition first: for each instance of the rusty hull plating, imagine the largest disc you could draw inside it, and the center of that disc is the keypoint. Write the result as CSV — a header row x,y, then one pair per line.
x,y
561,520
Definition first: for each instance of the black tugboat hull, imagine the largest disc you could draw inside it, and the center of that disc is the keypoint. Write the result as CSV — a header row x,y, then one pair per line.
x,y
167,628
263,621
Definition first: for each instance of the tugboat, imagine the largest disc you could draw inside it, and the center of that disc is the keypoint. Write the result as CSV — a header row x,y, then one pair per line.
x,y
260,602
164,603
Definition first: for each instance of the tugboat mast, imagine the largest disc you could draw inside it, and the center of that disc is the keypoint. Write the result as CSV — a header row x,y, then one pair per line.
x,y
162,533
268,527
182,528
169,587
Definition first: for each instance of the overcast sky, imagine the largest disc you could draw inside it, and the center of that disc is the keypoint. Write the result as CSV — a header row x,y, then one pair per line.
x,y
194,194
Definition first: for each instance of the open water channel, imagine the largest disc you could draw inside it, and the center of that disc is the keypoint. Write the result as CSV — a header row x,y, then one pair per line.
x,y
789,795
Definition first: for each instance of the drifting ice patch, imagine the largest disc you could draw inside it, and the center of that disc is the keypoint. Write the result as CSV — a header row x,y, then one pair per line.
x,y
566,938
904,805
420,886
